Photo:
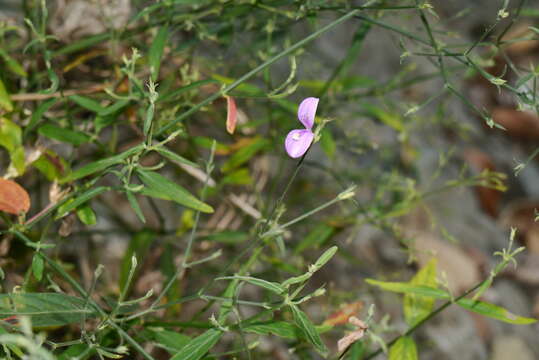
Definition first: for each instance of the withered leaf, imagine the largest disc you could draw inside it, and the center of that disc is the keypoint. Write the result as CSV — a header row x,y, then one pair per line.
x,y
13,198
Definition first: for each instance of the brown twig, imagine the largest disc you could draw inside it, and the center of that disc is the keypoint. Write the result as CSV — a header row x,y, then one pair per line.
x,y
37,96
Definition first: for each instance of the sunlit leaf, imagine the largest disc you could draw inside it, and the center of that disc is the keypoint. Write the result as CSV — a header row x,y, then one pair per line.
x,y
403,349
416,307
5,101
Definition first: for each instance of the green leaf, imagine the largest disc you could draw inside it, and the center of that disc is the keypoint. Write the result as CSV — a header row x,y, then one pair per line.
x,y
138,247
325,257
100,165
86,215
494,311
480,307
171,341
199,346
5,101
10,135
63,135
46,309
11,139
308,329
175,158
268,285
238,177
37,266
160,187
114,108
156,51
75,352
38,114
403,349
416,307
402,287
135,206
173,94
12,64
87,103
227,237
279,328
81,199
51,165
392,120
245,154
314,239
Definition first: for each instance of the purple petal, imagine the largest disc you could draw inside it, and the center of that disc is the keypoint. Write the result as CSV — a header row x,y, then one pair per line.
x,y
298,141
307,111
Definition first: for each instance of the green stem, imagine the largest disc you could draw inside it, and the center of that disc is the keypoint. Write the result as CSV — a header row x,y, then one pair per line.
x,y
435,312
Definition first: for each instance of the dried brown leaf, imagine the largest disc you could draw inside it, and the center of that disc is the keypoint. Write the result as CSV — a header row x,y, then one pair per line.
x,y
13,198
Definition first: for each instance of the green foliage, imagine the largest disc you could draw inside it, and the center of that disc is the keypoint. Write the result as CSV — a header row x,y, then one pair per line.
x,y
404,349
46,309
125,130
417,307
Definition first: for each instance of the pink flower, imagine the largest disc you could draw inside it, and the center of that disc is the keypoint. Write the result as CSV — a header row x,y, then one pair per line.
x,y
298,141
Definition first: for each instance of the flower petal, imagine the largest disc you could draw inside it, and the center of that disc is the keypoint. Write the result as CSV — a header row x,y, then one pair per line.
x,y
298,141
307,111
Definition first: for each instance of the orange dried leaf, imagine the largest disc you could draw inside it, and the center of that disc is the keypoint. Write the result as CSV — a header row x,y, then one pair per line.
x,y
231,114
13,198
344,313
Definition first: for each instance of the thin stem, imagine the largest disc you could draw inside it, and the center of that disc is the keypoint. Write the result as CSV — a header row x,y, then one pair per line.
x,y
435,312
256,70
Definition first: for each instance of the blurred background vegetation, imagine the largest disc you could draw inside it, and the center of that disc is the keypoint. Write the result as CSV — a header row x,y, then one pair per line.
x,y
158,216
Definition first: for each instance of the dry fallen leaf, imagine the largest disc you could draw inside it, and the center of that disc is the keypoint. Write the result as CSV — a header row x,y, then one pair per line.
x,y
231,114
461,271
488,198
354,336
13,198
519,124
342,315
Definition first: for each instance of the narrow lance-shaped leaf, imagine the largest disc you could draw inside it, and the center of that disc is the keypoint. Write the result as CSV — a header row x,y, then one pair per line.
x,y
279,328
159,186
199,346
402,287
307,327
99,165
268,285
87,103
494,311
63,135
172,156
325,257
156,51
480,307
46,309
135,206
81,199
